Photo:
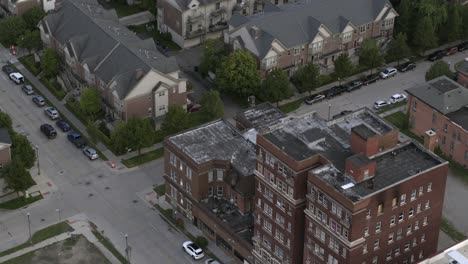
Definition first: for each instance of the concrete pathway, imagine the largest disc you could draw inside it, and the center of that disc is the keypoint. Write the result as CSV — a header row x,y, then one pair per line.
x,y
134,153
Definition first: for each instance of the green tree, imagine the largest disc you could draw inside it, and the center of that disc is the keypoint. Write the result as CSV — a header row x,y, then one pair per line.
x,y
177,119
213,53
119,138
30,40
435,10
141,133
438,69
23,150
424,35
275,87
398,48
454,24
50,63
16,177
33,16
403,22
212,106
307,78
11,28
370,56
464,15
238,74
5,120
90,102
343,67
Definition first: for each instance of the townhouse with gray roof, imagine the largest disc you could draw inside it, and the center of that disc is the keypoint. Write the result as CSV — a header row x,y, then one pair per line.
x,y
132,76
317,31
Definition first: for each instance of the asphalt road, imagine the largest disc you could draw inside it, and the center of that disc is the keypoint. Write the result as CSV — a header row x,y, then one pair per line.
x,y
381,90
109,197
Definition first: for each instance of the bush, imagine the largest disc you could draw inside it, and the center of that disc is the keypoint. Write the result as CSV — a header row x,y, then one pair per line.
x,y
201,241
166,36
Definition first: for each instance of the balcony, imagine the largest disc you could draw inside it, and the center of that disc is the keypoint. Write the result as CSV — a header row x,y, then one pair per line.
x,y
221,25
218,13
195,33
195,18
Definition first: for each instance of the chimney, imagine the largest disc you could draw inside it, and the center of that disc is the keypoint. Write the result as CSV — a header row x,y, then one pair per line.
x,y
360,167
364,140
430,140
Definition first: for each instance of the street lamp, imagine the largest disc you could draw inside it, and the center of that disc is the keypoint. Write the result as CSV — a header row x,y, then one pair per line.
x,y
58,212
127,249
38,164
29,226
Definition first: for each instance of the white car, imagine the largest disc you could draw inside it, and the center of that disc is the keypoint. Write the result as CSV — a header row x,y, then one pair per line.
x,y
16,77
396,98
211,261
193,250
51,113
380,104
389,72
314,99
90,153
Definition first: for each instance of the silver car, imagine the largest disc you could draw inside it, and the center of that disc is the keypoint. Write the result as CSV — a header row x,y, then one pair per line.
x,y
51,113
90,153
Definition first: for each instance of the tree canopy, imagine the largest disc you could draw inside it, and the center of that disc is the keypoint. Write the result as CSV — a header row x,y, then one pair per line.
x,y
238,74
213,53
177,119
136,133
307,78
16,177
424,36
30,40
343,67
50,63
11,28
275,87
438,69
90,102
212,106
33,16
369,55
398,48
23,150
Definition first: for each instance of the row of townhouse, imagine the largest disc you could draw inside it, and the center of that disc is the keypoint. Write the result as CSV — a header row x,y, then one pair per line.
x,y
338,191
132,76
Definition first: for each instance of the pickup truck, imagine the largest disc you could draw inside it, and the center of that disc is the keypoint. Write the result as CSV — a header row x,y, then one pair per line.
x,y
76,139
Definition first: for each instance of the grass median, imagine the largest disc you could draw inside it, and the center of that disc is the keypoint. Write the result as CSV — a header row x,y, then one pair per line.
x,y
106,243
292,106
143,158
450,230
20,202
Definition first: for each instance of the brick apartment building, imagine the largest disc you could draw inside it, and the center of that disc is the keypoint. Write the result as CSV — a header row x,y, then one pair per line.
x,y
344,191
438,112
209,175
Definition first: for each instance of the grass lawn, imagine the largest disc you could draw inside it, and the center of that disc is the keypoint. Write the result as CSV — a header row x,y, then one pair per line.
x,y
143,158
54,88
450,230
30,64
390,107
160,189
106,242
19,202
292,106
41,235
400,120
74,107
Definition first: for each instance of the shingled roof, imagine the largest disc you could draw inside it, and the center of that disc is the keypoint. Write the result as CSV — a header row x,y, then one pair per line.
x,y
298,23
109,49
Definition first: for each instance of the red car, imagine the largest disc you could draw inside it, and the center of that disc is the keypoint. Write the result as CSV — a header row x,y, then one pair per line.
x,y
451,51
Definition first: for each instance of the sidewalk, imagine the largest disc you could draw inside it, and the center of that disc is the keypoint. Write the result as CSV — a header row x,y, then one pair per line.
x,y
134,153
60,107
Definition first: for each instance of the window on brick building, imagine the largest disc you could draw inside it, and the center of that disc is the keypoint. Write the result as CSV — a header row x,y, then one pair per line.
x,y
378,226
397,251
409,229
401,217
399,232
364,249
407,247
423,238
392,220
389,256
403,199
210,176
411,212
394,201
427,206
376,244
416,225
413,195
219,191
421,190
379,208
366,231
425,221
390,238
368,214
429,187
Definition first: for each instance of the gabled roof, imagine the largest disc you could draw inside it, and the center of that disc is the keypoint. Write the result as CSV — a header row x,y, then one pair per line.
x,y
442,94
95,37
298,23
5,136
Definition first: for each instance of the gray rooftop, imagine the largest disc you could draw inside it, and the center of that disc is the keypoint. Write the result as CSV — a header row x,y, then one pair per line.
x,y
5,136
298,23
98,40
392,167
460,117
442,94
217,140
260,116
463,67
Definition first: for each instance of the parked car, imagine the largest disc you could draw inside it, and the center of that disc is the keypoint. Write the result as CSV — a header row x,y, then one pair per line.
x,y
463,46
63,125
380,104
334,91
406,66
8,69
436,55
27,89
39,100
90,153
353,85
342,113
396,98
76,139
193,108
16,77
211,261
314,99
193,250
387,73
49,131
451,51
51,112
370,79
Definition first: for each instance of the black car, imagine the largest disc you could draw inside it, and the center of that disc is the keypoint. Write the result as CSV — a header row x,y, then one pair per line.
x,y
76,139
334,91
49,131
370,79
406,66
62,124
463,46
7,69
353,85
436,55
